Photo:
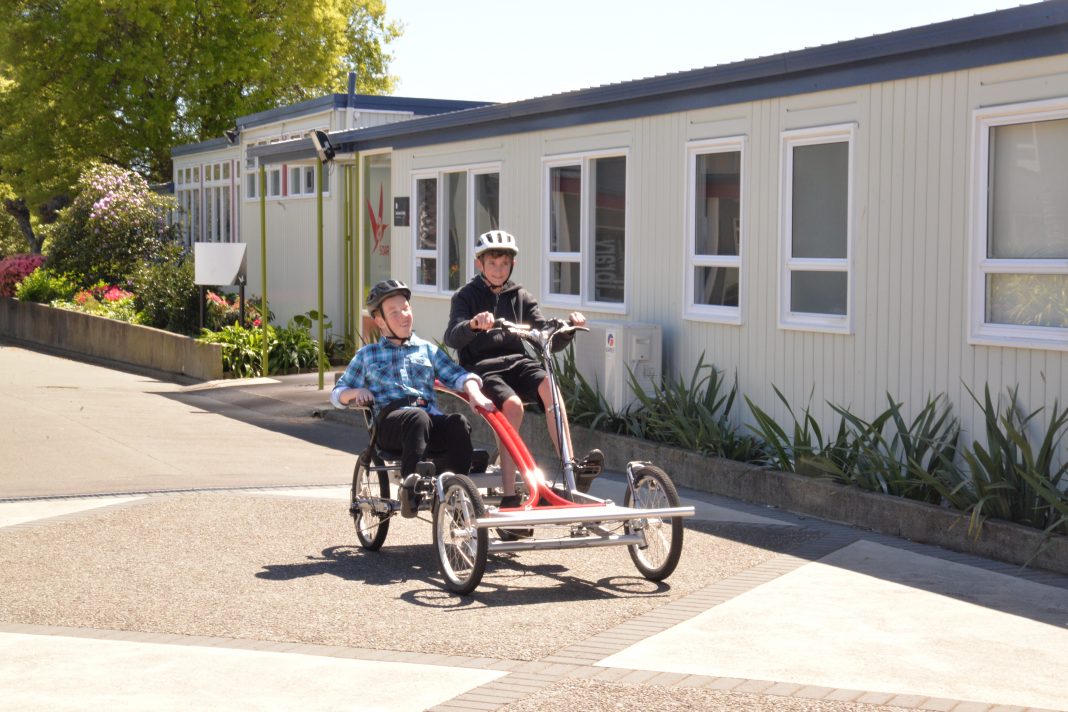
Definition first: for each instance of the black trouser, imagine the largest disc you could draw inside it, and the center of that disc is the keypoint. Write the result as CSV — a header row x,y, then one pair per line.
x,y
417,433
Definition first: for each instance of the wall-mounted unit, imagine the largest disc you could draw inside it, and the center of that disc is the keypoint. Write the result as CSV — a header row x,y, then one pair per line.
x,y
604,355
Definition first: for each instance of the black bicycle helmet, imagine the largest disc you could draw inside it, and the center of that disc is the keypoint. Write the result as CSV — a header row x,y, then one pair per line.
x,y
384,289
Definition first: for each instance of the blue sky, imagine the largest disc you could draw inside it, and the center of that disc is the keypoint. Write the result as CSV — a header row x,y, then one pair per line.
x,y
505,50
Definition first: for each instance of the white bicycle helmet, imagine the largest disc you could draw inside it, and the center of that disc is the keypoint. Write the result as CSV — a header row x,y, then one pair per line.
x,y
496,240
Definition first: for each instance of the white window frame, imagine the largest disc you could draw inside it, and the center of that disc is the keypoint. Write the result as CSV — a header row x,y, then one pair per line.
x,y
584,161
441,253
271,172
982,332
806,321
708,312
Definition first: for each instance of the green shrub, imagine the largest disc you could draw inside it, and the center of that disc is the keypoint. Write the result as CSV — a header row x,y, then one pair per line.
x,y
44,287
288,349
114,223
167,298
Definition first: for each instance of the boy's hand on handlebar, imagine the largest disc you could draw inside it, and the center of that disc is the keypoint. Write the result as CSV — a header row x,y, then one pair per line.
x,y
482,321
577,319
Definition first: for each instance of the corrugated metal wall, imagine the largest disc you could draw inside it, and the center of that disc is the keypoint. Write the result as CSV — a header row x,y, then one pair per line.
x,y
910,247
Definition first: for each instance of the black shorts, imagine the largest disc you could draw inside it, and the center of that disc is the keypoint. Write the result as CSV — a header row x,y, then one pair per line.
x,y
520,379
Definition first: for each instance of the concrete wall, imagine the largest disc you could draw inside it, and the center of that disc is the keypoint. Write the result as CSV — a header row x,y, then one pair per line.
x,y
109,340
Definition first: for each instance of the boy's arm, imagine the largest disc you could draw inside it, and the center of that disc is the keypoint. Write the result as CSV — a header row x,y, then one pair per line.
x,y
350,384
459,332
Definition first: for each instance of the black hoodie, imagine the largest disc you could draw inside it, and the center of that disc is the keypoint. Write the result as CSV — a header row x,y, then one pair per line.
x,y
484,352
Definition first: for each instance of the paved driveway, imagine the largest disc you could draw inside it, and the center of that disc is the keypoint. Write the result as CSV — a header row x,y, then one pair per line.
x,y
214,566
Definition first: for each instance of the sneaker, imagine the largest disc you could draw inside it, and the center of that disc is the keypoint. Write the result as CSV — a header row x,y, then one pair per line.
x,y
588,469
409,498
507,502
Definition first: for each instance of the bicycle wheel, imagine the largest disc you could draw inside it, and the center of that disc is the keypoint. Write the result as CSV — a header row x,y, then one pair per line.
x,y
663,537
460,545
371,529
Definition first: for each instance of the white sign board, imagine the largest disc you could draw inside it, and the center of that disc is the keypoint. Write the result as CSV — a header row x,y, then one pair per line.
x,y
219,263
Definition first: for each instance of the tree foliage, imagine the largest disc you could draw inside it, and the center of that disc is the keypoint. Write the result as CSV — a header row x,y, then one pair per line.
x,y
123,81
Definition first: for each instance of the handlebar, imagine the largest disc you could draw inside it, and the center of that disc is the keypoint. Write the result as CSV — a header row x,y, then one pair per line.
x,y
539,337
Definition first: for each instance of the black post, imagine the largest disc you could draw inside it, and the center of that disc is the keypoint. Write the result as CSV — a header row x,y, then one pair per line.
x,y
241,301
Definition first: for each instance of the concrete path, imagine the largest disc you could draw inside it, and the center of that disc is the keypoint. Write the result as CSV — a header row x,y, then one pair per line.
x,y
243,588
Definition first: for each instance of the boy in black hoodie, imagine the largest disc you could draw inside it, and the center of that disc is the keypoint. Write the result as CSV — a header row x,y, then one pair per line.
x,y
509,375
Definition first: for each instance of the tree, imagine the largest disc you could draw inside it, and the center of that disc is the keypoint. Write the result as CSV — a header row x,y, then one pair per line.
x,y
124,81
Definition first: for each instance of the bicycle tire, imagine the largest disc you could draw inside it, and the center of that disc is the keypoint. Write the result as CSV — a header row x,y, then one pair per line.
x,y
371,529
460,545
659,557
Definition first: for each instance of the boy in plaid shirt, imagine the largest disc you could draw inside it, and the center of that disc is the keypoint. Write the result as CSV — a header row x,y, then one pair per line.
x,y
397,374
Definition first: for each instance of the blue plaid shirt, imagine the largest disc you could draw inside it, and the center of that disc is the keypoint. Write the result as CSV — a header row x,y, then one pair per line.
x,y
393,372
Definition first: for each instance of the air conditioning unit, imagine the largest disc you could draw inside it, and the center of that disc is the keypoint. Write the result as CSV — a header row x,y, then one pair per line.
x,y
604,355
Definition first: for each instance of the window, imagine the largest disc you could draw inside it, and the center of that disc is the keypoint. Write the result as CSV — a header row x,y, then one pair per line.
x,y
457,205
586,224
816,229
1019,230
206,208
274,182
714,230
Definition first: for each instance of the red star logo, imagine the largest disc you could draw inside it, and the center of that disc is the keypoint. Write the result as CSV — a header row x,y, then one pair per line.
x,y
379,225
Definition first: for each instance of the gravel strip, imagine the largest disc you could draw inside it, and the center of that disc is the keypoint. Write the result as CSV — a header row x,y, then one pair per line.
x,y
578,695
289,569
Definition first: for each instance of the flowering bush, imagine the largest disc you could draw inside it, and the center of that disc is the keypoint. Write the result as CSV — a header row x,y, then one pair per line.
x,y
102,299
16,268
225,310
114,223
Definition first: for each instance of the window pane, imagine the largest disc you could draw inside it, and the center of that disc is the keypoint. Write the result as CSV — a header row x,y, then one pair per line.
x,y
377,217
226,170
209,214
1028,174
196,174
610,199
426,271
818,292
487,202
309,179
250,184
456,225
426,200
820,185
565,184
225,212
716,286
564,278
326,179
1027,299
294,181
276,183
194,215
717,216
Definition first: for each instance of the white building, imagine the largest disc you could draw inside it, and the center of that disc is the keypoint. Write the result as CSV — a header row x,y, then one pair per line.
x,y
882,215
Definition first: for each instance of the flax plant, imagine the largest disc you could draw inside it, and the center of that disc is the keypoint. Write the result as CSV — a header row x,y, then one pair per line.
x,y
693,414
1012,479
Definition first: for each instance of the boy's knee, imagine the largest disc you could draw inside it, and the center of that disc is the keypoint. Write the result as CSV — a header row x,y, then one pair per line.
x,y
512,406
458,425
